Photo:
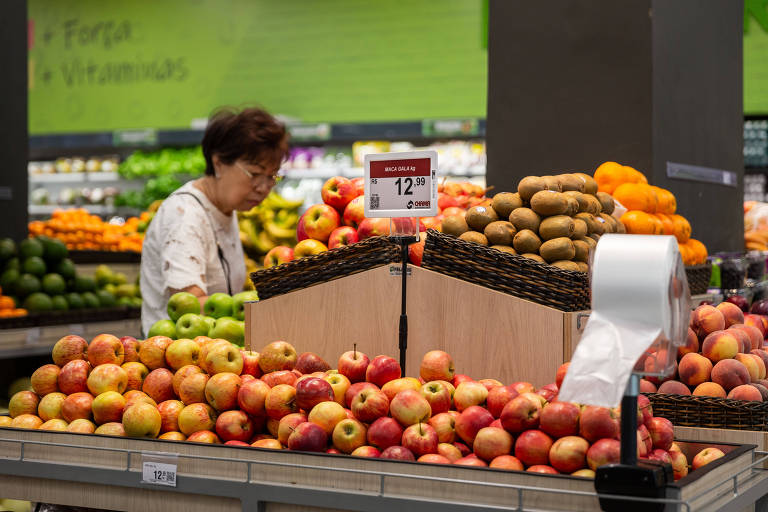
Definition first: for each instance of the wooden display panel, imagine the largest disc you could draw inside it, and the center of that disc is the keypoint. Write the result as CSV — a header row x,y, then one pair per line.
x,y
489,334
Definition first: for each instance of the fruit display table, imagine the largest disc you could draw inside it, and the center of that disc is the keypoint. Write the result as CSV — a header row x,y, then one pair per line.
x,y
103,472
39,340
524,341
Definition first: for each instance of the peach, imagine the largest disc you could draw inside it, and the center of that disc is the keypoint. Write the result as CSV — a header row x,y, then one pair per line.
x,y
691,344
709,389
647,386
706,319
762,354
674,387
655,362
720,345
763,390
730,373
752,362
755,336
694,369
732,314
761,369
746,392
743,337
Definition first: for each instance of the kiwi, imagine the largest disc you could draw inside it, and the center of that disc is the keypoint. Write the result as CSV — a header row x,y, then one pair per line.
x,y
573,206
552,183
592,243
620,228
579,228
594,207
583,267
526,241
610,225
557,249
571,182
590,185
529,186
595,237
500,232
534,257
582,250
566,265
504,248
474,236
556,227
480,216
581,198
525,218
548,202
455,225
606,201
593,226
505,202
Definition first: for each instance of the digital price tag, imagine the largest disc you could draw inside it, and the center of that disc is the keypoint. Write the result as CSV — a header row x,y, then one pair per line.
x,y
159,469
401,184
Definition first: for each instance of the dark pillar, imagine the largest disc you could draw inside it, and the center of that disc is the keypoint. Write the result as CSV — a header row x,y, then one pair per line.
x,y
13,119
572,84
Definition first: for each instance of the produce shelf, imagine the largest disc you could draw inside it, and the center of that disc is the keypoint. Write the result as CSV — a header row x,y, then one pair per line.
x,y
105,472
76,177
95,209
106,257
39,339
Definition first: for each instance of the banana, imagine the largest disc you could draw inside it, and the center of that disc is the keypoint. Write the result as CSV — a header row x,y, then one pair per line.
x,y
263,243
279,202
276,232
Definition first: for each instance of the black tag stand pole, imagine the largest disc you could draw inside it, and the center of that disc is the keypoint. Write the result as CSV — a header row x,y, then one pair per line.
x,y
402,344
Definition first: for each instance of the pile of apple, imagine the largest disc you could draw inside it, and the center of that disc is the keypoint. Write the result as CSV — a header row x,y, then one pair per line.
x,y
340,219
208,390
724,356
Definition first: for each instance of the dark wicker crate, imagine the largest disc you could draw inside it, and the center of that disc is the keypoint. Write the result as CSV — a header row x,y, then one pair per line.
x,y
564,290
710,412
73,316
698,278
326,266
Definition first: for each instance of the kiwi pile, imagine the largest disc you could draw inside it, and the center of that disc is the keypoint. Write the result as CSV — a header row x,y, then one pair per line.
x,y
550,219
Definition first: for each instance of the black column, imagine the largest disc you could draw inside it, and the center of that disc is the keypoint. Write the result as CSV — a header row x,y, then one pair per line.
x,y
13,119
572,84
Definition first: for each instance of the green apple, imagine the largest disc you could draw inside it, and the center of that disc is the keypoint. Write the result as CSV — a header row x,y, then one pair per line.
x,y
229,329
218,305
210,322
191,325
163,328
182,303
238,303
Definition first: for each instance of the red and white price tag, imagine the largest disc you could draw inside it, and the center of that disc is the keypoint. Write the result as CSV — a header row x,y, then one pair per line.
x,y
401,184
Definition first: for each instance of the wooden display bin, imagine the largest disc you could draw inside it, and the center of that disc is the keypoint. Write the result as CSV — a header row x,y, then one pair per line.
x,y
489,334
106,473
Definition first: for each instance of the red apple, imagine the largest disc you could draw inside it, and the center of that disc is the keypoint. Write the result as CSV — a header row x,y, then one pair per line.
x,y
137,372
603,451
359,183
532,447
384,432
50,406
409,407
68,349
339,384
569,454
397,453
308,437
338,191
252,396
280,401
437,395
158,385
522,413
327,415
498,398
420,438
355,388
192,388
492,442
548,392
108,407
382,370
288,424
353,365
369,404
459,378
107,377
320,220
272,379
560,419
278,355
348,435
152,351
308,247
204,436
73,377
23,402
44,380
130,349
436,365
105,348
77,406
445,426
470,460
342,236
523,387
277,256
449,451
560,375
416,251
169,414
234,426
311,391
354,213
508,462
470,421
468,394
542,468
366,451
196,417
662,433
679,464
598,422
706,456
372,227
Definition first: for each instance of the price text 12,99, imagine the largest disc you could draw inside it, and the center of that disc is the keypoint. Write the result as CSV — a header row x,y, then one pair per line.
x,y
408,182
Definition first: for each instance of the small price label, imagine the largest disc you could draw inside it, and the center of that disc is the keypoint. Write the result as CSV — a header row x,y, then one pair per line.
x,y
78,329
33,335
401,184
159,473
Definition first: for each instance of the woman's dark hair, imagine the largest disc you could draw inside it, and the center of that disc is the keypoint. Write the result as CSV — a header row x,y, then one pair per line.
x,y
251,134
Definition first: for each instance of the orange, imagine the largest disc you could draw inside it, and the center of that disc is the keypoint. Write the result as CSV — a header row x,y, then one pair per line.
x,y
6,303
19,312
640,223
682,228
666,200
636,196
699,251
686,254
634,176
610,175
667,226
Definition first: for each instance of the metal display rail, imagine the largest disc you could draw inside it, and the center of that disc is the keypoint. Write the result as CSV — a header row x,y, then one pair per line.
x,y
103,472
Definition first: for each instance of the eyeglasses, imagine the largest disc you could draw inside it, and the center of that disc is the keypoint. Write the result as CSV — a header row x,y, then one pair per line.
x,y
259,178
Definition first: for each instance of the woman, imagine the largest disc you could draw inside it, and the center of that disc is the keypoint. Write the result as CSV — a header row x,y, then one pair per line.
x,y
193,242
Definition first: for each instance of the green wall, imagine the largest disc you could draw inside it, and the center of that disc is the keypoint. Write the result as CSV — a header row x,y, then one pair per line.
x,y
756,56
97,66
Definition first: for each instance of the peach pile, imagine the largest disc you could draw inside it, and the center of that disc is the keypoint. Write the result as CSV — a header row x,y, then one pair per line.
x,y
209,391
724,356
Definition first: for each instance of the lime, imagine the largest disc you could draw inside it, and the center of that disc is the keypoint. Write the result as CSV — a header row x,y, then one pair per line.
x,y
53,284
8,279
84,284
54,250
65,268
125,301
119,278
103,275
27,284
74,300
34,265
30,247
59,303
90,300
136,302
38,302
13,263
106,299
126,290
7,249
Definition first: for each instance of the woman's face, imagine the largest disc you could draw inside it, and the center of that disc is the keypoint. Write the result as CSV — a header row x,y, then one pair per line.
x,y
242,185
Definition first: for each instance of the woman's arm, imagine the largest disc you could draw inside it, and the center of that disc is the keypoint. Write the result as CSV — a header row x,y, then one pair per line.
x,y
196,291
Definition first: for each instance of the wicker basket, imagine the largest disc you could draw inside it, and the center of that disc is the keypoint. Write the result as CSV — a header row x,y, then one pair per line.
x,y
698,278
710,412
564,290
74,316
326,266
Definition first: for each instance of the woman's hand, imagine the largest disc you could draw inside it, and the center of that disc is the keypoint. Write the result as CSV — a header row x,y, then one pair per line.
x,y
196,291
